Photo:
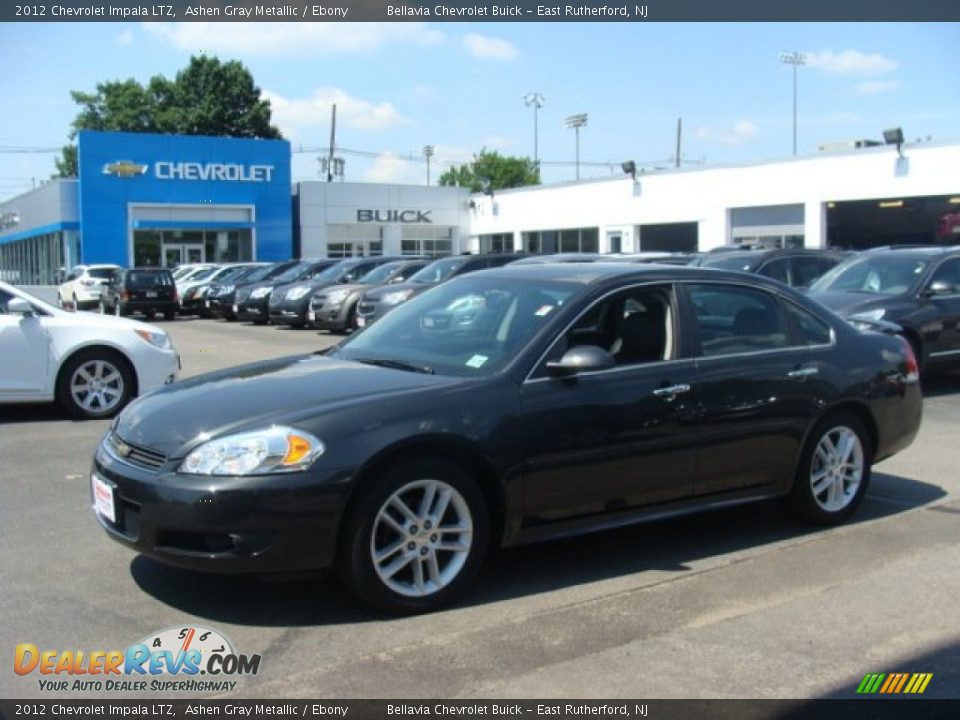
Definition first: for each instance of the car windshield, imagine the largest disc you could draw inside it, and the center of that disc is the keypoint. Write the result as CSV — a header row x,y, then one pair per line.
x,y
874,274
261,273
730,262
290,274
205,273
331,273
101,273
470,327
148,278
438,271
234,273
380,273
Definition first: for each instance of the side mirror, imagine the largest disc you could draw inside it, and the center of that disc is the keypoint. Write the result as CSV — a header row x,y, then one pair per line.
x,y
940,287
19,306
579,359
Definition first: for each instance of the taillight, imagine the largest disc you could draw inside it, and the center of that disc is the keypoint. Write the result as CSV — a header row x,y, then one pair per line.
x,y
912,365
124,294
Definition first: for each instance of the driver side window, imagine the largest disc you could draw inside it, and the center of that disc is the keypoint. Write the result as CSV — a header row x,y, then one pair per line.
x,y
635,327
949,273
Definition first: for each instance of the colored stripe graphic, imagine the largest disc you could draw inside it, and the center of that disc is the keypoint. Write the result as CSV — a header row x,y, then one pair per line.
x,y
894,683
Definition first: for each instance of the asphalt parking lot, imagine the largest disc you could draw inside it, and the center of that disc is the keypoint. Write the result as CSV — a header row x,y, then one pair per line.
x,y
738,603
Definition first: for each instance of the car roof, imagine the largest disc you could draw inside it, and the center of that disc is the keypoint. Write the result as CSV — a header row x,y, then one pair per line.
x,y
915,251
599,272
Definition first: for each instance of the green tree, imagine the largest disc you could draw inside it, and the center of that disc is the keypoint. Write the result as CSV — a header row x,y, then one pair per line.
x,y
206,98
492,171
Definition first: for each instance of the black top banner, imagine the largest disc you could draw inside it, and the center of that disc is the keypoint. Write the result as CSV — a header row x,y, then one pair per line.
x,y
483,11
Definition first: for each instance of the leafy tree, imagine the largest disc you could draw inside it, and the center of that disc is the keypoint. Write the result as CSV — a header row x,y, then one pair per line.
x,y
206,98
492,171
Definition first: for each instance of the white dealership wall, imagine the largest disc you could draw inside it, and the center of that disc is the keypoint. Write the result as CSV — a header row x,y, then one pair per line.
x,y
707,196
323,205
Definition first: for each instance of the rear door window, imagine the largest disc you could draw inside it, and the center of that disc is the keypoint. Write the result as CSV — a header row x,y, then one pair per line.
x,y
733,319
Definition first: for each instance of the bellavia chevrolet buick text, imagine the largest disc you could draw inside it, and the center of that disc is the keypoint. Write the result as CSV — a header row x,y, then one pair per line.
x,y
507,406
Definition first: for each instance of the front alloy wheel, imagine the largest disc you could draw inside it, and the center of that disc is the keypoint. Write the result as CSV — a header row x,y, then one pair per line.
x,y
415,537
95,385
421,538
834,471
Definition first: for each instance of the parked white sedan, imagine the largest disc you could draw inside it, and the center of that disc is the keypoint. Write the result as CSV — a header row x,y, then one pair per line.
x,y
92,364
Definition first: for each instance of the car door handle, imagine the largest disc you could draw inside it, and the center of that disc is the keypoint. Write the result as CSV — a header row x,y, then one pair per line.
x,y
803,372
672,391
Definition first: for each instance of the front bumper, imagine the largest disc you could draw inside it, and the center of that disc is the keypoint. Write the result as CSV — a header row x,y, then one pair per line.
x,y
256,309
290,312
156,367
265,524
328,317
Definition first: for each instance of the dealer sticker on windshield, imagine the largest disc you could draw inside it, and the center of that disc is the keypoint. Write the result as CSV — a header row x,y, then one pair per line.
x,y
103,502
477,361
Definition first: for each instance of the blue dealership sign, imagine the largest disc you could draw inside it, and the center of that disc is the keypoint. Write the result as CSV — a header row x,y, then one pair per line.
x,y
131,181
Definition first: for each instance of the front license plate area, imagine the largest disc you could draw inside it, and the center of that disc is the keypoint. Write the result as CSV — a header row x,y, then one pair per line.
x,y
104,501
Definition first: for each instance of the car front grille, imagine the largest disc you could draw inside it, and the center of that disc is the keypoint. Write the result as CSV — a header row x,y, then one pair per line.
x,y
135,455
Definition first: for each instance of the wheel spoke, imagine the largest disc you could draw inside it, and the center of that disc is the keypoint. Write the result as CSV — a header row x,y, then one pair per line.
x,y
396,566
429,494
83,373
380,555
418,575
391,521
845,450
433,569
821,483
442,504
112,393
112,377
400,506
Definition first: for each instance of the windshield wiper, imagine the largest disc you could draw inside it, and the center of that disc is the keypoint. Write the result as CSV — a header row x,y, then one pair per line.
x,y
396,365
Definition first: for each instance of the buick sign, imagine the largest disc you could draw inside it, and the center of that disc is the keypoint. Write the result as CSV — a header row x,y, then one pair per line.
x,y
394,216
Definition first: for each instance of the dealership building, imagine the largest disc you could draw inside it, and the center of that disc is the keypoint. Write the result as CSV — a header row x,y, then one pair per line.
x,y
142,199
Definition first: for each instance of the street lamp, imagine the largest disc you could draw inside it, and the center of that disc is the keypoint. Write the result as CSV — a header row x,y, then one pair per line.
x,y
576,122
428,151
536,101
795,59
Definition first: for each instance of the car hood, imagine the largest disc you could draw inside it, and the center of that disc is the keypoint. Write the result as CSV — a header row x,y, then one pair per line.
x,y
97,322
381,290
846,303
177,417
350,288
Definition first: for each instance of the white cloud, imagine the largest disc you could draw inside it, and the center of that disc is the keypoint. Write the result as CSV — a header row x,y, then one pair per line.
x,y
876,87
352,112
850,62
740,132
291,39
391,168
125,38
489,48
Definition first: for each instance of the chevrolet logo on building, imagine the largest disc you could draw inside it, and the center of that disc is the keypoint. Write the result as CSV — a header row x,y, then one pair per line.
x,y
124,169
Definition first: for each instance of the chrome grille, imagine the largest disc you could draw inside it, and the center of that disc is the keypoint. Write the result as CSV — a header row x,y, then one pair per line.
x,y
134,454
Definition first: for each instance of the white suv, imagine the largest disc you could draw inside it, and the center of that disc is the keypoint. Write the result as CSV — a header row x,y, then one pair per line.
x,y
81,290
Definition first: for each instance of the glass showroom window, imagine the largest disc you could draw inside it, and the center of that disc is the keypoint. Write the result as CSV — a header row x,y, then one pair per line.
x,y
427,240
570,240
354,240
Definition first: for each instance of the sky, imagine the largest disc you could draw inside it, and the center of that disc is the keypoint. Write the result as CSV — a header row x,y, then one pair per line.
x,y
460,87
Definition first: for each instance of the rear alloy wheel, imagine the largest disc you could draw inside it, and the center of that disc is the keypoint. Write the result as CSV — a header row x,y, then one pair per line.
x,y
95,385
834,471
416,538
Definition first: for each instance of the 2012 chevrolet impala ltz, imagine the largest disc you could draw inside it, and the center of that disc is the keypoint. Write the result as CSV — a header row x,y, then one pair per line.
x,y
508,406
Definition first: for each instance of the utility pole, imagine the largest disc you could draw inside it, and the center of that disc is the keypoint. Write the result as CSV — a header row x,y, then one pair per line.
x,y
575,122
428,151
536,101
795,59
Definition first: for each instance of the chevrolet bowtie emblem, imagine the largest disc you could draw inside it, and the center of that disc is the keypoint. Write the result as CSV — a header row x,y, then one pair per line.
x,y
124,169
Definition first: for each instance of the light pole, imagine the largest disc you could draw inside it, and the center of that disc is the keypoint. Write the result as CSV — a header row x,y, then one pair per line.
x,y
428,151
795,59
576,122
536,101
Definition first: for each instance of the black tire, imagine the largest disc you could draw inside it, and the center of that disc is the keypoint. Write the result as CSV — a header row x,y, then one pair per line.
x,y
824,508
148,314
362,530
170,314
79,403
350,324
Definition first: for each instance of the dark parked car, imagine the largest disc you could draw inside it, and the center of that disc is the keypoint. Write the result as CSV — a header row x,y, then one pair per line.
x,y
290,304
504,407
145,290
253,300
797,267
915,288
335,308
377,302
221,298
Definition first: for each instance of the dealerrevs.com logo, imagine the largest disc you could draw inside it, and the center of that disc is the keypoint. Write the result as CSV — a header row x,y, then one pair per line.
x,y
188,659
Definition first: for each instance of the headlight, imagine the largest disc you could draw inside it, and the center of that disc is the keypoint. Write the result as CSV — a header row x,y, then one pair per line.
x,y
157,339
876,314
395,298
335,297
295,293
274,449
261,291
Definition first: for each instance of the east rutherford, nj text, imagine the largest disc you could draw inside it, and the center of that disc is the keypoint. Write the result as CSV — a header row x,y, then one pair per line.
x,y
517,11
